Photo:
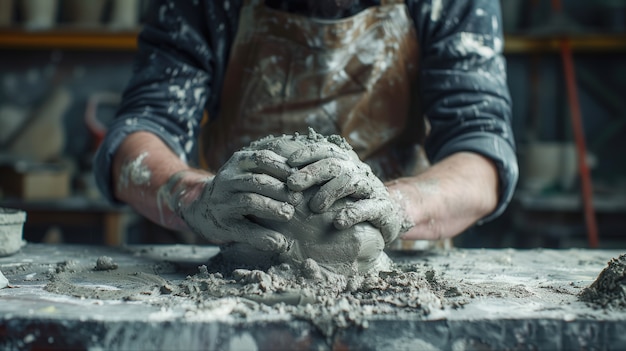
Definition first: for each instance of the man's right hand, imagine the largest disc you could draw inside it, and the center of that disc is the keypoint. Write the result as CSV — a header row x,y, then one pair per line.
x,y
250,185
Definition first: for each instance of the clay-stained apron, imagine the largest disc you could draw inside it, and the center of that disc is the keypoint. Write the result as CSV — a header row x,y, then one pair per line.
x,y
355,77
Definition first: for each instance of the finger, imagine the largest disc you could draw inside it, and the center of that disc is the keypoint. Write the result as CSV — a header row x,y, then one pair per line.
x,y
378,213
345,185
330,192
357,212
267,162
258,236
265,185
251,204
315,152
318,173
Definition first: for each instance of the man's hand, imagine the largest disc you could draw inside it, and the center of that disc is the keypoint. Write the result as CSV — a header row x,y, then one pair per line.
x,y
250,185
341,174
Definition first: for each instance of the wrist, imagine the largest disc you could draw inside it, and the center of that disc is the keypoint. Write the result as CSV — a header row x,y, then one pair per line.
x,y
183,188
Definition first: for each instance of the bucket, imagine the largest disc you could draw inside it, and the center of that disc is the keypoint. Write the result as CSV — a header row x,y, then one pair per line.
x,y
11,229
6,13
548,164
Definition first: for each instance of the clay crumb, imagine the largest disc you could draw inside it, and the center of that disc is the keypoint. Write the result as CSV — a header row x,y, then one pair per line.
x,y
609,289
105,263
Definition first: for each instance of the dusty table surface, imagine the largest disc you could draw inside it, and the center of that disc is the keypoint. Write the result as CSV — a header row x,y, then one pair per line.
x,y
501,299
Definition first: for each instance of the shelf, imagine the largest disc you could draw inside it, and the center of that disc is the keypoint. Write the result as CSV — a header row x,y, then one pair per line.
x,y
85,39
523,44
105,39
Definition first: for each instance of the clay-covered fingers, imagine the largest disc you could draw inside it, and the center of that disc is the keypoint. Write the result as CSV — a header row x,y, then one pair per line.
x,y
379,212
315,152
265,185
264,161
347,184
225,209
258,236
251,204
318,173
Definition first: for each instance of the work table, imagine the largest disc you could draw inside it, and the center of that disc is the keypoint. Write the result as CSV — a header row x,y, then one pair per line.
x,y
496,299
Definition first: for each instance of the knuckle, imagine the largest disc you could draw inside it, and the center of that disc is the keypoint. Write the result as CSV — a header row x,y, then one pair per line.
x,y
262,180
335,166
362,187
245,199
306,152
263,156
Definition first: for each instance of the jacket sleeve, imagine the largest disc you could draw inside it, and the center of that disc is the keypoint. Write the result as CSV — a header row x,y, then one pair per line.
x,y
178,70
465,96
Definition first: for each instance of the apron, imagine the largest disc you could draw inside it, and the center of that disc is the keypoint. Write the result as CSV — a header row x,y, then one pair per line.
x,y
355,77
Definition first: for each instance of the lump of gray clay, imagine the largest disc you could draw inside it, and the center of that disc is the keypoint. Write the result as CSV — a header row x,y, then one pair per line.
x,y
356,250
11,228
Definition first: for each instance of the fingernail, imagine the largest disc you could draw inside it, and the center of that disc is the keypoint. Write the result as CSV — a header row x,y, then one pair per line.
x,y
294,159
341,221
280,244
295,181
295,198
286,210
320,203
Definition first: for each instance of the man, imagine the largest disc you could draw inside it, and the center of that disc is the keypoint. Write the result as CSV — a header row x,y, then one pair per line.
x,y
389,76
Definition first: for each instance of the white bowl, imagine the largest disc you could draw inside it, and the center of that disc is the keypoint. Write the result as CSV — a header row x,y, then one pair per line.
x,y
11,229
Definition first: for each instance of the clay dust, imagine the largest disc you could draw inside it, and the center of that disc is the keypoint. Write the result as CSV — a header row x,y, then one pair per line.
x,y
327,302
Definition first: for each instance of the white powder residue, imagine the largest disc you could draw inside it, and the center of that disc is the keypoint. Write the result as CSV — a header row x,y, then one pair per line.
x,y
162,316
497,44
244,341
135,172
436,9
188,146
471,43
163,197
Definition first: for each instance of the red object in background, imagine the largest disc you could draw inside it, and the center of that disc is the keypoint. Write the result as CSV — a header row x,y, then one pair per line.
x,y
579,134
97,128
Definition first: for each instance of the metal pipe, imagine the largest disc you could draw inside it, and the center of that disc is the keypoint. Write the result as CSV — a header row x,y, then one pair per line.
x,y
579,135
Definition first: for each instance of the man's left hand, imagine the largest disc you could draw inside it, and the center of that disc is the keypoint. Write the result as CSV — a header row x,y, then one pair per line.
x,y
340,173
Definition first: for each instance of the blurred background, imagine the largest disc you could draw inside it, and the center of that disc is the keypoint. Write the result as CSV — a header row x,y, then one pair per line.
x,y
64,64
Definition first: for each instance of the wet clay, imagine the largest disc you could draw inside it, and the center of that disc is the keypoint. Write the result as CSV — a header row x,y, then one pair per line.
x,y
105,280
328,302
454,300
609,289
314,240
105,263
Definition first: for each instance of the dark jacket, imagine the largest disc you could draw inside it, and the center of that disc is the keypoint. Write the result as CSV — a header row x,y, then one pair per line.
x,y
184,49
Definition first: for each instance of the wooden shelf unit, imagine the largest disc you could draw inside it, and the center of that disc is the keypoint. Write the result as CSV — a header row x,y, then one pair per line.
x,y
73,39
104,39
592,43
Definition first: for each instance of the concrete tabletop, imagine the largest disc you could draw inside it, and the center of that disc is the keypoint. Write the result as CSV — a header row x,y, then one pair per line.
x,y
494,300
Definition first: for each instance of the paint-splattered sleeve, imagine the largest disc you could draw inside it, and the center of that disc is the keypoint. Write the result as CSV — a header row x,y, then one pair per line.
x,y
463,83
177,74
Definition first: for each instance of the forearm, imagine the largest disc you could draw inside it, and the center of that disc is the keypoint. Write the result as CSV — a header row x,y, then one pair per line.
x,y
142,167
449,197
